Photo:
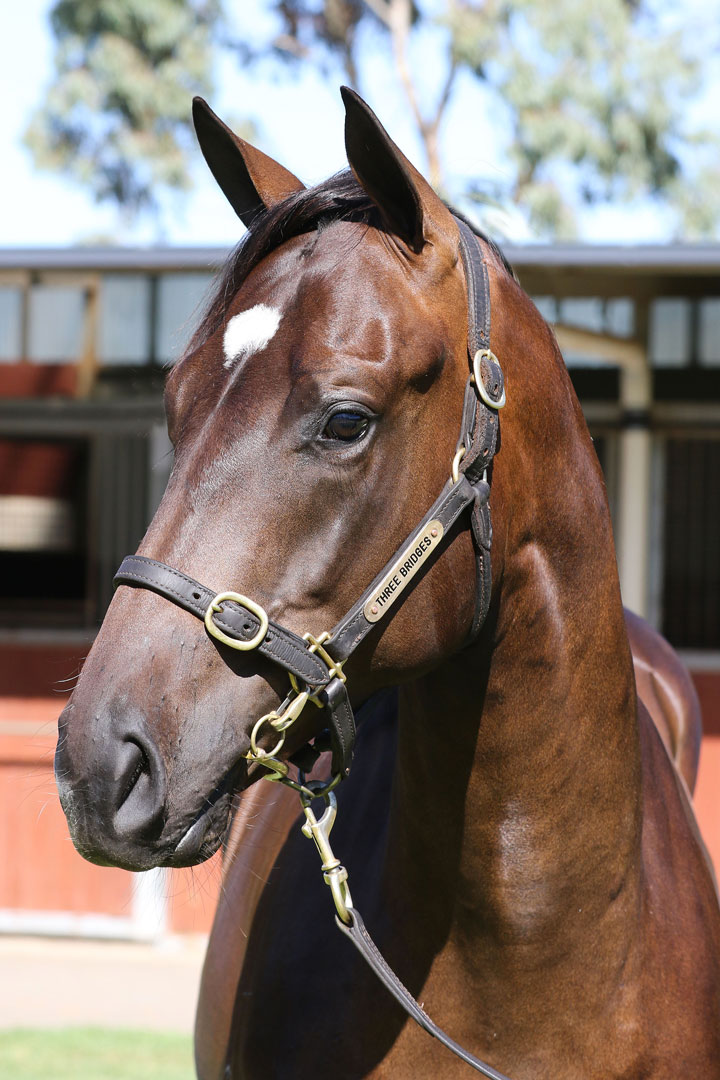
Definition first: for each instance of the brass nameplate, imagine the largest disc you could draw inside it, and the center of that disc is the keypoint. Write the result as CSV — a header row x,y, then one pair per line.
x,y
402,571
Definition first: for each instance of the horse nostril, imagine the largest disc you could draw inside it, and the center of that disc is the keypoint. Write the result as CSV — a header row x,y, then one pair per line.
x,y
140,789
140,767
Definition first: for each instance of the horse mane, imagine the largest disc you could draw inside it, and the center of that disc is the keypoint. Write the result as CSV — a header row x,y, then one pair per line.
x,y
340,198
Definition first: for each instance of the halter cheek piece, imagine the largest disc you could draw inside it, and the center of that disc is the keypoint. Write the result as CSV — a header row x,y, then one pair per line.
x,y
315,665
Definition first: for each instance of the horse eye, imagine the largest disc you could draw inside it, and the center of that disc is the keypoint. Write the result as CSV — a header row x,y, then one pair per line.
x,y
346,426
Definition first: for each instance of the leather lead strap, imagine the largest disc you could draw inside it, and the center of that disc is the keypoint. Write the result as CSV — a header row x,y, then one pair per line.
x,y
373,957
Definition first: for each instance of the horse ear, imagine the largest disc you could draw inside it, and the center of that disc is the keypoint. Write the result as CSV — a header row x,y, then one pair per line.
x,y
251,180
408,205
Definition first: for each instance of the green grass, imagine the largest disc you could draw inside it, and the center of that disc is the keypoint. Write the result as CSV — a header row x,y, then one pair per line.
x,y
94,1054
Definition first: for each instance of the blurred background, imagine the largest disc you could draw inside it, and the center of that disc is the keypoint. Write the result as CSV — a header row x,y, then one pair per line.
x,y
583,135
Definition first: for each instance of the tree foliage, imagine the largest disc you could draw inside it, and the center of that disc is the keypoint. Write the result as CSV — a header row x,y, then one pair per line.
x,y
590,96
598,87
116,116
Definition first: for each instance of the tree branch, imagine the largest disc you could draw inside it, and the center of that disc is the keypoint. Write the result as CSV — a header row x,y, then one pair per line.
x,y
351,70
289,44
399,13
397,16
380,8
445,94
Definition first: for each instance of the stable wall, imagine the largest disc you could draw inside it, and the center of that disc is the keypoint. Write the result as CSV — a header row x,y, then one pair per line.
x,y
46,887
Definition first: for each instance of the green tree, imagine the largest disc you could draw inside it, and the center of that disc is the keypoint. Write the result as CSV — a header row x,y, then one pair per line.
x,y
116,115
591,96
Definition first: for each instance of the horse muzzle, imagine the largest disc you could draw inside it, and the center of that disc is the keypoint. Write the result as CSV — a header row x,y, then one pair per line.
x,y
112,789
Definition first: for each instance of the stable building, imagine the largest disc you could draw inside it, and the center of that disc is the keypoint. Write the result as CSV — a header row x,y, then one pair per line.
x,y
86,335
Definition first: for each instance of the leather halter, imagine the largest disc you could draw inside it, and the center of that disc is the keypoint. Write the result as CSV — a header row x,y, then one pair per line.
x,y
317,662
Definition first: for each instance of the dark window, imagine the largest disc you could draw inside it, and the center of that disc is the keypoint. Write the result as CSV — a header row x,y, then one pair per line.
x,y
691,576
43,492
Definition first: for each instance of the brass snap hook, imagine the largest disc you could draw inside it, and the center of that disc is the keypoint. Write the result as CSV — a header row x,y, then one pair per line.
x,y
334,873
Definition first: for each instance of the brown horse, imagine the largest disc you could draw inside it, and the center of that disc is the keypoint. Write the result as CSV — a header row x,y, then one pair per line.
x,y
518,837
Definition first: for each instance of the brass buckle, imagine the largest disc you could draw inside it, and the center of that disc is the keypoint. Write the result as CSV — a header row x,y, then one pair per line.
x,y
335,667
233,643
480,355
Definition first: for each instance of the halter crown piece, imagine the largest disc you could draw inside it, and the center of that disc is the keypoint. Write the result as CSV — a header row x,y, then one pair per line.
x,y
315,664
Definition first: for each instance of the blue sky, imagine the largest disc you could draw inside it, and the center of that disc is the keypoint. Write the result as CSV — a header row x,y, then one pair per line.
x,y
300,123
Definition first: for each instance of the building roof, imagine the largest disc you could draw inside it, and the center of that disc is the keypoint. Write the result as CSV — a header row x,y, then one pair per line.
x,y
113,258
569,269
641,270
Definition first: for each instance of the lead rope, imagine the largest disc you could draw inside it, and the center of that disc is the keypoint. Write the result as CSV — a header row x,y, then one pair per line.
x,y
335,875
348,918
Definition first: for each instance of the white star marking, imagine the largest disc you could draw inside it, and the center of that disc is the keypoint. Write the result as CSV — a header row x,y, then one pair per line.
x,y
249,332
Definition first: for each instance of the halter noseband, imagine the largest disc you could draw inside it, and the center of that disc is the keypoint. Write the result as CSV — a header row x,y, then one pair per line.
x,y
315,664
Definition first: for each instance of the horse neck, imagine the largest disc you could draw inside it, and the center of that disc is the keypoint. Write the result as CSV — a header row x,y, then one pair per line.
x,y
517,792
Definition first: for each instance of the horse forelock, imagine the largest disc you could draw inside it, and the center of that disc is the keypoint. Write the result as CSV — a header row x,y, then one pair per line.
x,y
308,211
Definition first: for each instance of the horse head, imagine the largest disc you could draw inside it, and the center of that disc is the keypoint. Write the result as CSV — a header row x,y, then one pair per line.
x,y
314,417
